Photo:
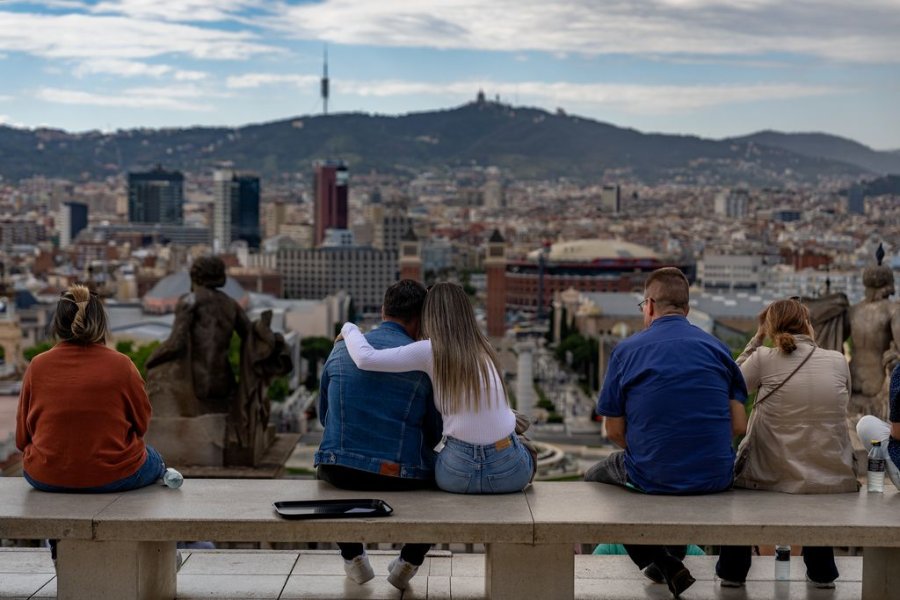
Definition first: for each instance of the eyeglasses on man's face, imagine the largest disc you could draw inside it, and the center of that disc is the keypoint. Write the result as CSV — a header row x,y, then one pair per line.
x,y
643,302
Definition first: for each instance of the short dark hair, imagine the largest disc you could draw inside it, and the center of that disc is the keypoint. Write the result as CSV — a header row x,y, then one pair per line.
x,y
670,287
404,300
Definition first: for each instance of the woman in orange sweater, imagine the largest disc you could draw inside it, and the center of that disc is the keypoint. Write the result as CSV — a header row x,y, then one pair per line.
x,y
83,411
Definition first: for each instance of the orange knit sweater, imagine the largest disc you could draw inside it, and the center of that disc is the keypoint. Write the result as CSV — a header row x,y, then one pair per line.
x,y
82,416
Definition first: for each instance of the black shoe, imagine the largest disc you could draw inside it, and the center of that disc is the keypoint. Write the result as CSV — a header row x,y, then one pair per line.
x,y
653,573
676,575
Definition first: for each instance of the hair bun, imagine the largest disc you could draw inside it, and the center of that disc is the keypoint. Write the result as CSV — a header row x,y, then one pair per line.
x,y
785,342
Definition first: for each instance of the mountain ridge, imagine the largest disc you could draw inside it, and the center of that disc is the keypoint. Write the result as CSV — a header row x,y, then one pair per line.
x,y
526,143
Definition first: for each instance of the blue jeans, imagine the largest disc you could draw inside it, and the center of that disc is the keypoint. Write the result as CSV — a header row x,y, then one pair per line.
x,y
148,474
499,468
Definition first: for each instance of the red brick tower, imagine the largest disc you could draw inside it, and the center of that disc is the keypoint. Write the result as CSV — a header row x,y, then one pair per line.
x,y
495,266
410,257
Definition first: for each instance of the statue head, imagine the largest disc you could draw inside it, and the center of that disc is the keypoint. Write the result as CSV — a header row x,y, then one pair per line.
x,y
208,272
879,282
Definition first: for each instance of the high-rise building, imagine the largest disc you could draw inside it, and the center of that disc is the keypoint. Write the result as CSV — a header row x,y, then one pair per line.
x,y
330,188
733,204
611,198
856,200
493,192
73,217
235,209
156,196
223,200
313,273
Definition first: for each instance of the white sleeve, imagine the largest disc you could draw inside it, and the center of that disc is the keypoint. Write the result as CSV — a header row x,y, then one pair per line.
x,y
412,357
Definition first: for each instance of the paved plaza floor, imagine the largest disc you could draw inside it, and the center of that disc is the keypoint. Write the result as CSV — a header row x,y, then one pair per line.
x,y
292,574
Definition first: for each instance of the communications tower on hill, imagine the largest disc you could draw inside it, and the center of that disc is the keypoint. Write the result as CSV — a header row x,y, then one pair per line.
x,y
325,83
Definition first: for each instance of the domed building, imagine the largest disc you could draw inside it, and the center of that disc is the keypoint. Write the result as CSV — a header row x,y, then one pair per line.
x,y
163,297
590,265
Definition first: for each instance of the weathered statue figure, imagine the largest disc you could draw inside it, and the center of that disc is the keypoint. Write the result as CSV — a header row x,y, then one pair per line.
x,y
873,326
201,414
197,348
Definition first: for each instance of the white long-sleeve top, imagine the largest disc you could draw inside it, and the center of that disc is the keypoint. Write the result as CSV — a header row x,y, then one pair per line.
x,y
494,419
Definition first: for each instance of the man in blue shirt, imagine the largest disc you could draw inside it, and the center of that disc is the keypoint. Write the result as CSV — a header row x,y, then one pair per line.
x,y
672,398
380,428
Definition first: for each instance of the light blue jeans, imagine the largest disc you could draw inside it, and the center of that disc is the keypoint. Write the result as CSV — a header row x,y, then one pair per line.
x,y
499,468
149,473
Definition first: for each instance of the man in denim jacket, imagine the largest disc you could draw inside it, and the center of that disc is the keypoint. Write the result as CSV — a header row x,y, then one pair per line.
x,y
380,428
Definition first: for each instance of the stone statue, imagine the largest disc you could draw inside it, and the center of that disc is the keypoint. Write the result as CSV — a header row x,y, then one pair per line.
x,y
202,415
264,356
189,374
873,326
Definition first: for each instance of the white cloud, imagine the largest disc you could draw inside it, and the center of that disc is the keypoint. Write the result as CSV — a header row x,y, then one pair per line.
x,y
168,98
190,75
122,68
5,98
86,37
831,29
133,68
181,11
255,80
629,98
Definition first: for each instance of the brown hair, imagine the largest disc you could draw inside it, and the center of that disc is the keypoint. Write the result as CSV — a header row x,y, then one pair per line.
x,y
783,320
80,317
670,288
463,356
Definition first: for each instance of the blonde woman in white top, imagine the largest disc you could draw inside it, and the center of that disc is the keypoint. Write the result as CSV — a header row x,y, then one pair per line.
x,y
480,453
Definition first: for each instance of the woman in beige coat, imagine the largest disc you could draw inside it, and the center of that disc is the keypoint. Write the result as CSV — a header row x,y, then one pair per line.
x,y
798,440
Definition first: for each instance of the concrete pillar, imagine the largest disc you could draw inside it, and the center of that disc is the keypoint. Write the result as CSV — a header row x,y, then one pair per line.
x,y
517,571
88,570
525,395
881,577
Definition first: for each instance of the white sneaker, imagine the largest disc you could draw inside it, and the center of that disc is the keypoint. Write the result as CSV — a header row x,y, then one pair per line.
x,y
400,572
359,569
822,585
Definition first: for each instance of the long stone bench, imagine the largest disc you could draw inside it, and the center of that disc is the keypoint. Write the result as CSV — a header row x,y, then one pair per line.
x,y
123,545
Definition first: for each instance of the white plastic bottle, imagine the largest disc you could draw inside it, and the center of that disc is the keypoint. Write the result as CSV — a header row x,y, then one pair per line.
x,y
172,479
875,470
782,562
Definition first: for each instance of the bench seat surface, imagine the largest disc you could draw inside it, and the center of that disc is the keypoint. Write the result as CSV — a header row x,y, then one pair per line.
x,y
26,513
241,510
580,512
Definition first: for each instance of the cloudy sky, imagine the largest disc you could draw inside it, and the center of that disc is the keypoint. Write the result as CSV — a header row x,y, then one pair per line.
x,y
713,68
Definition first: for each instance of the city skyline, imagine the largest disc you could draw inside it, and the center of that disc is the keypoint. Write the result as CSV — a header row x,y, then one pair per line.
x,y
700,67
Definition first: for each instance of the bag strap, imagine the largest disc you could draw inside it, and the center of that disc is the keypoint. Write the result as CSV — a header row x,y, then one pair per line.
x,y
784,381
